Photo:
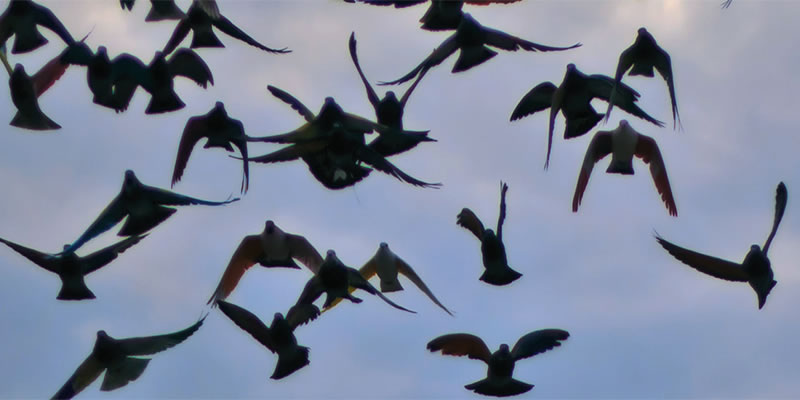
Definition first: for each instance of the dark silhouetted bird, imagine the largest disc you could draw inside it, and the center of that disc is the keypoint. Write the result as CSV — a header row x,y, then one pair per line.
x,y
472,39
492,248
21,19
160,10
623,143
278,338
201,22
573,97
499,381
118,358
72,268
220,130
25,92
389,112
102,74
441,15
640,58
755,269
388,266
332,279
271,248
143,205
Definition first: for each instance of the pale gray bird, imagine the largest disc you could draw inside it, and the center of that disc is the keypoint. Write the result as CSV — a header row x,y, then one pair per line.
x,y
499,381
756,268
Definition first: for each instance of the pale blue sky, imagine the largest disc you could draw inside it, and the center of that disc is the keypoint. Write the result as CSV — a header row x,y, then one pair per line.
x,y
643,325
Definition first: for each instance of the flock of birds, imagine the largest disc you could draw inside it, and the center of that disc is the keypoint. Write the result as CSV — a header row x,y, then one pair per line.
x,y
332,144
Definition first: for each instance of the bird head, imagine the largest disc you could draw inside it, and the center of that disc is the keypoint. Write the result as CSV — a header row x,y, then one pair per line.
x,y
130,181
102,334
390,95
642,31
384,245
504,348
269,226
19,69
571,67
623,123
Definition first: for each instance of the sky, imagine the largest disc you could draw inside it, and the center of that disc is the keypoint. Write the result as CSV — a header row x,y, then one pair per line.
x,y
642,324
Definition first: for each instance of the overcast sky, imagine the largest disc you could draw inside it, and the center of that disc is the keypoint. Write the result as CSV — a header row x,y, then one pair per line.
x,y
641,323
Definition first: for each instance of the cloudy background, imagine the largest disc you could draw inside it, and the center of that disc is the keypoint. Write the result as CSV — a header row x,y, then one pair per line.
x,y
641,323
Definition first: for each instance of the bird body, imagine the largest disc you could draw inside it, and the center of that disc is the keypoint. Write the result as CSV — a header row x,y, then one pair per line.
x,y
24,95
22,18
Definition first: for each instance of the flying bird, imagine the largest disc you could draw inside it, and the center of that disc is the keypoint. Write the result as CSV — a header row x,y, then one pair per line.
x,y
72,268
144,206
119,359
271,248
22,18
573,97
472,39
441,15
388,266
389,112
756,269
640,58
220,130
25,92
103,73
199,20
332,279
499,381
160,10
492,248
623,143
157,79
278,338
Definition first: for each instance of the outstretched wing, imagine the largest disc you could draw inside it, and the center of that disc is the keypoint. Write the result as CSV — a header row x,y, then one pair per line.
x,y
448,47
249,322
374,159
461,344
538,342
301,249
110,216
625,97
663,65
469,220
180,32
245,256
371,95
781,196
537,99
102,257
626,59
598,148
357,281
713,266
44,260
304,310
232,30
48,75
185,62
647,150
140,346
508,42
405,269
196,128
44,17
292,102
89,370
169,198
502,215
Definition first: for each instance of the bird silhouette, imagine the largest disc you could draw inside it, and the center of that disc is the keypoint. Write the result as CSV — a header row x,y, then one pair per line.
x,y
441,14
21,19
118,358
640,58
160,10
493,250
499,381
112,82
271,248
623,143
220,130
278,338
144,206
472,39
25,91
756,268
72,268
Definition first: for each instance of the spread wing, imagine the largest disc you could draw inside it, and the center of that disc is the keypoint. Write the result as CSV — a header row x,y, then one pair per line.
x,y
405,269
232,30
249,322
48,75
448,47
110,216
502,215
196,128
140,346
367,271
538,342
625,97
44,17
291,152
713,266
44,260
355,280
89,370
169,198
185,62
371,95
647,150
469,220
461,344
663,65
781,196
374,159
245,256
180,32
508,42
292,102
301,249
100,258
598,149
304,310
537,99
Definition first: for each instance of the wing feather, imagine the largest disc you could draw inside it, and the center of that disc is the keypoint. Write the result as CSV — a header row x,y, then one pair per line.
x,y
461,344
245,256
713,266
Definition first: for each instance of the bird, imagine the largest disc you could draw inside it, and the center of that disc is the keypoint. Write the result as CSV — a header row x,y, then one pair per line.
x,y
640,58
499,381
160,10
119,359
271,248
493,250
573,98
220,130
201,22
623,143
278,338
472,39
103,73
389,112
332,279
441,14
157,79
72,268
21,19
388,265
756,268
25,92
144,206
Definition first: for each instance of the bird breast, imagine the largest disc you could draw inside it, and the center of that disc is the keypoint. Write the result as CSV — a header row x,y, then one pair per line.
x,y
385,267
501,365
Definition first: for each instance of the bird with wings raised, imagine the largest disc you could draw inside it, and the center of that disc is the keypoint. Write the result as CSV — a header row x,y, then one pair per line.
x,y
278,338
22,19
25,91
120,359
499,379
72,268
623,143
756,268
441,14
160,10
271,248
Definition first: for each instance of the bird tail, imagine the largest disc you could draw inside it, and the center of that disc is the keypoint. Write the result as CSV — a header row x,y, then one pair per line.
x,y
75,290
499,387
37,122
500,276
290,361
472,56
579,126
642,69
168,10
620,167
126,371
139,225
27,40
388,287
205,39
164,103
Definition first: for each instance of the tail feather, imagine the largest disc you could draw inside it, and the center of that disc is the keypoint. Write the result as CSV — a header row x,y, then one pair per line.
x,y
499,387
164,11
388,287
500,276
38,122
472,56
164,103
288,363
205,39
75,290
126,371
